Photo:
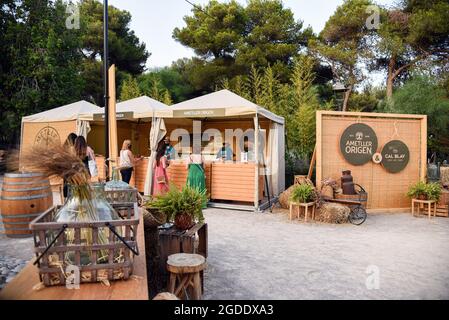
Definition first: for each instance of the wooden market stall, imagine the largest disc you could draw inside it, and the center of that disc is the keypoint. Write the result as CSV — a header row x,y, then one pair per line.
x,y
53,126
211,120
217,117
386,153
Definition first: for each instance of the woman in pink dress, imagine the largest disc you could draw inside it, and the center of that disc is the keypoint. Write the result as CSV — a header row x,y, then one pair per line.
x,y
160,178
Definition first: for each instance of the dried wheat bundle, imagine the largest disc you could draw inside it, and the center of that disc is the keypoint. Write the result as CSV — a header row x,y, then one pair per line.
x,y
57,160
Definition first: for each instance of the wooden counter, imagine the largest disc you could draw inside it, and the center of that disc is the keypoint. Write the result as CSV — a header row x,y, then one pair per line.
x,y
232,181
135,288
224,181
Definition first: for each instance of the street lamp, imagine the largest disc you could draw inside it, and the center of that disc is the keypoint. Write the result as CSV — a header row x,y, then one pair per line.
x,y
106,85
339,87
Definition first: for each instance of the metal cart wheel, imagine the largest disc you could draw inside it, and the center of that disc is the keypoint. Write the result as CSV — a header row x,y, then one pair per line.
x,y
357,215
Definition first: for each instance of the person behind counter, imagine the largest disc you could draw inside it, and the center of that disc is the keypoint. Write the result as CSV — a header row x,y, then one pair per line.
x,y
225,153
170,152
196,177
127,161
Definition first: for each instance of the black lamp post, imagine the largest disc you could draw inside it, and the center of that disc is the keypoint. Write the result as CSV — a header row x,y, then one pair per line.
x,y
106,85
339,87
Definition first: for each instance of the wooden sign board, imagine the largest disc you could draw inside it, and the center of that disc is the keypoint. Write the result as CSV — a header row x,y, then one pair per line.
x,y
395,156
199,113
118,116
358,143
386,190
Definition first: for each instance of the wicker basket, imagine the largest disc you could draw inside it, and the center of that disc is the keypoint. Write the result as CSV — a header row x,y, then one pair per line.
x,y
118,249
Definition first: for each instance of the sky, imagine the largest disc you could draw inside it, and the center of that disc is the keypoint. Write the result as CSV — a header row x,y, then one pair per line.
x,y
153,22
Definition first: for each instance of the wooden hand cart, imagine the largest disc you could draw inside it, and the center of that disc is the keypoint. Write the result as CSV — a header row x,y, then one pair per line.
x,y
358,213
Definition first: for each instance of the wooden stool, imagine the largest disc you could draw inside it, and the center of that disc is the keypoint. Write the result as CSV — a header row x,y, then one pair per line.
x,y
185,280
306,210
429,206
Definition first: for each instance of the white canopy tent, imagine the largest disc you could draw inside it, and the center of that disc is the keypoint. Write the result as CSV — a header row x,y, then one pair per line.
x,y
55,124
223,103
144,107
226,104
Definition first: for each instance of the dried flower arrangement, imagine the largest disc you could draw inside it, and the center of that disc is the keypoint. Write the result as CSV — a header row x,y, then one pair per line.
x,y
83,203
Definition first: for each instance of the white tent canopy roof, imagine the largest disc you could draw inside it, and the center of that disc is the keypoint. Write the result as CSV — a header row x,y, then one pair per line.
x,y
144,107
231,103
81,110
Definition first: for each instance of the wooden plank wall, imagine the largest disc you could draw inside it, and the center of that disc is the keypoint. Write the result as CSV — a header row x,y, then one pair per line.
x,y
385,190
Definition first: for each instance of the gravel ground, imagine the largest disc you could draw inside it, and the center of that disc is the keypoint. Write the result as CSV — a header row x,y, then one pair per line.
x,y
265,256
14,253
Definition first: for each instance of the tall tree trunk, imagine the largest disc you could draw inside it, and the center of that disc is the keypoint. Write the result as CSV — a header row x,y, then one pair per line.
x,y
347,95
391,76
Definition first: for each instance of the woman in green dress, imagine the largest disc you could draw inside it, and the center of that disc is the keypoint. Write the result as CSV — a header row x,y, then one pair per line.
x,y
196,177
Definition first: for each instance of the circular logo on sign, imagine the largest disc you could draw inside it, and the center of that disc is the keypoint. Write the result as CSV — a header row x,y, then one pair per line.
x,y
377,158
395,156
358,143
47,136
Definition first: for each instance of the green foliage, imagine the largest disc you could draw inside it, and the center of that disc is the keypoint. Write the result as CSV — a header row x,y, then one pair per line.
x,y
175,202
342,43
44,64
302,193
296,101
39,62
417,190
431,191
229,38
409,34
423,95
130,89
125,50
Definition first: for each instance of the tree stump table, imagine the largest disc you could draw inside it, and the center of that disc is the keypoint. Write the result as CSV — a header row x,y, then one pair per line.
x,y
173,241
429,204
185,280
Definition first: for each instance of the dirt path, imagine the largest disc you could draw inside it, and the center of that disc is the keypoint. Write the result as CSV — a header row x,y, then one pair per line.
x,y
265,256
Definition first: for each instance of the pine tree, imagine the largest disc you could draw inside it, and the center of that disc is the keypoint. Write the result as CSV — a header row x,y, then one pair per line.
x,y
130,89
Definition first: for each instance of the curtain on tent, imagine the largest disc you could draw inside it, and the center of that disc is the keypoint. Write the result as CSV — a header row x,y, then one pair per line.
x,y
275,161
82,128
157,133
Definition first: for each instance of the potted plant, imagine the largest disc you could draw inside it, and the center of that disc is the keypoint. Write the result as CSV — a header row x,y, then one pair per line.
x,y
183,207
418,191
303,193
433,191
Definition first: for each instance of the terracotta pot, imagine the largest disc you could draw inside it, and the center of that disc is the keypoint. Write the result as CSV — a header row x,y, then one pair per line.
x,y
422,197
183,221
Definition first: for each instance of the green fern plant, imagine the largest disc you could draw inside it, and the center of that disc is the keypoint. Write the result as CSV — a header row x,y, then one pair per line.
x,y
188,201
302,193
417,190
433,191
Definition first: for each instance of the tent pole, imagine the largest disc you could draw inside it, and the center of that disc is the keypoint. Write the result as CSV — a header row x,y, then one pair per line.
x,y
106,85
256,158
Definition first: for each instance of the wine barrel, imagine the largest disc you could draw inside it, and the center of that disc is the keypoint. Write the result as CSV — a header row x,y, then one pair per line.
x,y
24,196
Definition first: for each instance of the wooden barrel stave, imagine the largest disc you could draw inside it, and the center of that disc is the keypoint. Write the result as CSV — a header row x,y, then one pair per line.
x,y
24,197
